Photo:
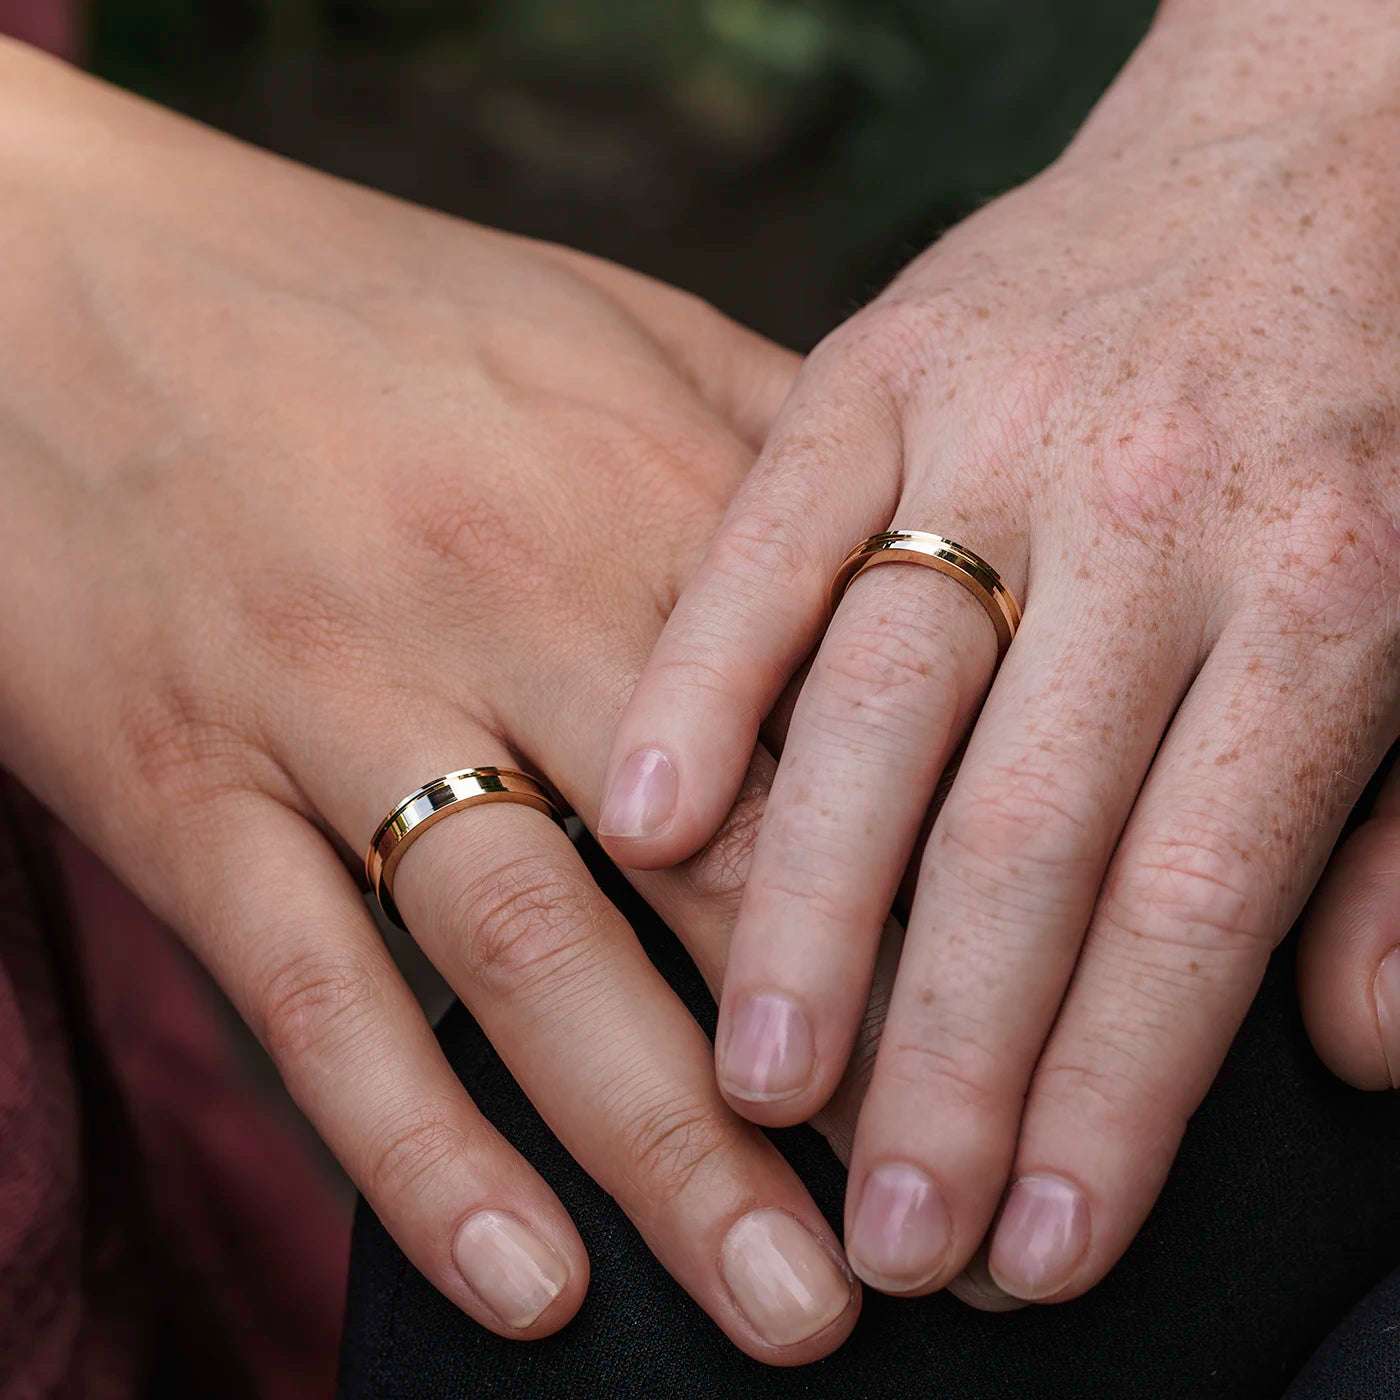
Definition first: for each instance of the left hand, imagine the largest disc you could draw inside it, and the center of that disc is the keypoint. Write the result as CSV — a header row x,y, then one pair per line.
x,y
1158,388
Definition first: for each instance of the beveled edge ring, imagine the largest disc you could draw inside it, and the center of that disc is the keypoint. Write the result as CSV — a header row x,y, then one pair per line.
x,y
429,804
949,558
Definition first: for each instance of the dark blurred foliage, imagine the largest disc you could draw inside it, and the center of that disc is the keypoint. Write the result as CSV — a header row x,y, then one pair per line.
x,y
781,158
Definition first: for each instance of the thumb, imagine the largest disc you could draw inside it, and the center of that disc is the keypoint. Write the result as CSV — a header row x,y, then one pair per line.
x,y
1349,960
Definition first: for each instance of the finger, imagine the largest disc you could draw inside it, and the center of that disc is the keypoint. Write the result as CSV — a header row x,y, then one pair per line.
x,y
893,686
296,949
1222,848
1006,889
750,615
502,904
1349,957
699,898
976,1287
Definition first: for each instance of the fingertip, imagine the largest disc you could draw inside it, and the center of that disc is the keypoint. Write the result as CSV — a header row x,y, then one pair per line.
x,y
766,1060
1349,959
640,801
976,1287
522,1284
899,1232
663,801
1041,1239
790,1284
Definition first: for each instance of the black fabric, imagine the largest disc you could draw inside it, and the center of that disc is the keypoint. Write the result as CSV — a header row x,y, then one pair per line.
x,y
1362,1357
1282,1211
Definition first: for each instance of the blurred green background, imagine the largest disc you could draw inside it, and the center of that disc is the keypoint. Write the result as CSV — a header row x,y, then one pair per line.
x,y
780,157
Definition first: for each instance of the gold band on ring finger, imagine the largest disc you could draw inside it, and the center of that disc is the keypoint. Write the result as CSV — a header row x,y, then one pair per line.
x,y
429,804
949,558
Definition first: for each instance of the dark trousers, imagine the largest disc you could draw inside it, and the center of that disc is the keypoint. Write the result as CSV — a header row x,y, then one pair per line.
x,y
1282,1212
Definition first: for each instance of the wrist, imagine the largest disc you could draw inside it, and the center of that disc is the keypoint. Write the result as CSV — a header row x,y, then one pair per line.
x,y
1212,71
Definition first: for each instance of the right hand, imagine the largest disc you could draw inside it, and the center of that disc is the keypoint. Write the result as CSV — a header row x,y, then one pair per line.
x,y
309,497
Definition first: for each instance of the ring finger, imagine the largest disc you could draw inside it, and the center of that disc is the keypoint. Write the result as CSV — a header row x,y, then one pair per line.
x,y
503,905
894,684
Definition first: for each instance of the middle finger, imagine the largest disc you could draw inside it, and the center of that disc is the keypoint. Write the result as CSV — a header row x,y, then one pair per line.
x,y
893,686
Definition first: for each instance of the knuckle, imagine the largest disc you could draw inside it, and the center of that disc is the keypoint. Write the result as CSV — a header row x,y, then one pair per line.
x,y
1187,887
184,748
1108,1091
530,922
312,1007
409,1152
1158,461
940,1075
882,679
670,1142
1017,819
884,345
1336,558
694,673
865,663
761,548
719,872
449,528
950,1062
304,623
821,880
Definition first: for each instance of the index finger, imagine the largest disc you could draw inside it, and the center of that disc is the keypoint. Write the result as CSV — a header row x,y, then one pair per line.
x,y
750,615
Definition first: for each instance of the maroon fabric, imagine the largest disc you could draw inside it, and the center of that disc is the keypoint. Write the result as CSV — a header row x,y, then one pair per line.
x,y
163,1225
51,24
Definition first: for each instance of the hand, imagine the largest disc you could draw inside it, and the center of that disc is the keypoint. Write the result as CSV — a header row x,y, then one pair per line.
x,y
309,497
1157,389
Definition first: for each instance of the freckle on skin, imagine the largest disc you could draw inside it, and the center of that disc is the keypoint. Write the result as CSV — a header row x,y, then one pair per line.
x,y
1193,966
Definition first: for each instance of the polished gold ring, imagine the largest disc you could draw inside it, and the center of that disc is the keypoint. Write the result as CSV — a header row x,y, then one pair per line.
x,y
453,792
950,559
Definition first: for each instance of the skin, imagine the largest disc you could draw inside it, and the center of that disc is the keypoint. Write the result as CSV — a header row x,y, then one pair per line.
x,y
279,458
1158,388
310,496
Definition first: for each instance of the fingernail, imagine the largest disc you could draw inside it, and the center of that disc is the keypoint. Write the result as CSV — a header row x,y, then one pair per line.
x,y
508,1266
1043,1231
767,1049
901,1229
1387,992
784,1281
641,797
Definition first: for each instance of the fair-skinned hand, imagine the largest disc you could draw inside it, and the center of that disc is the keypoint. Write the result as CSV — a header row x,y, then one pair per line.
x,y
311,496
1158,388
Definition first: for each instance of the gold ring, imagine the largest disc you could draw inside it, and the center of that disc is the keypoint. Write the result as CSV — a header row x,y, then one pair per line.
x,y
453,792
950,559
